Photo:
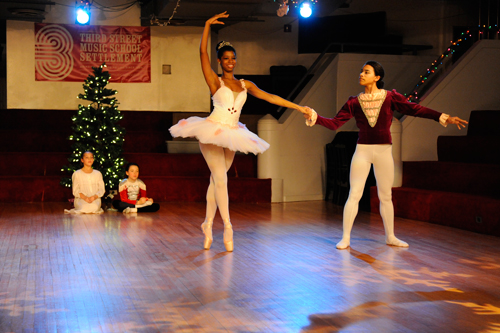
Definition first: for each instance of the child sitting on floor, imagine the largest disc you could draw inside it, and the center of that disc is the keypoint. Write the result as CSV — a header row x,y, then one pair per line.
x,y
133,194
88,188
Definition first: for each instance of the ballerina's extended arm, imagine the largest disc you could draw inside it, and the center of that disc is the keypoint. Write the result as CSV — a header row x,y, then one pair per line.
x,y
273,99
210,76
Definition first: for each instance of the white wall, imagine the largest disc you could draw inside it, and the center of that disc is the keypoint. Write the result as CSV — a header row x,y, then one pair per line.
x,y
183,90
472,84
296,156
260,45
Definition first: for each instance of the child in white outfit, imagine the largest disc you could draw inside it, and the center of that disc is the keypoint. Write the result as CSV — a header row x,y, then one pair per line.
x,y
88,188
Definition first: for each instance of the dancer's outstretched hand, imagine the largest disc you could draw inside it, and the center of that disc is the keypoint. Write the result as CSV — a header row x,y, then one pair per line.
x,y
215,19
457,121
308,112
305,110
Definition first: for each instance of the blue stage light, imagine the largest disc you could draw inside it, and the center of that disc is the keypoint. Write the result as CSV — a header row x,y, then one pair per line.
x,y
83,13
305,9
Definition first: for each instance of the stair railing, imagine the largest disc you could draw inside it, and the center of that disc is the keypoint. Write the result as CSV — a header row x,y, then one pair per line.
x,y
441,66
319,60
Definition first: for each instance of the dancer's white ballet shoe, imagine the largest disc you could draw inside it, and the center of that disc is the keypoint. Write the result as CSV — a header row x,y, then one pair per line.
x,y
343,244
393,241
206,227
228,236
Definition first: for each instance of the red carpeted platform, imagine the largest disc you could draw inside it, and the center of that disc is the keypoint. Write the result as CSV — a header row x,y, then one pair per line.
x,y
460,195
460,190
36,147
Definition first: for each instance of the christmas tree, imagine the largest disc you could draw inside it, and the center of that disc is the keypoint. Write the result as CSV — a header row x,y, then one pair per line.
x,y
96,129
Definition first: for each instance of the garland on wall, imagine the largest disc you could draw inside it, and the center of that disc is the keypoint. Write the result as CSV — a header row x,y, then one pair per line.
x,y
484,32
155,21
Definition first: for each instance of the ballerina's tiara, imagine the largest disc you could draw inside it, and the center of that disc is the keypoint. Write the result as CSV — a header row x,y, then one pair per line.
x,y
222,44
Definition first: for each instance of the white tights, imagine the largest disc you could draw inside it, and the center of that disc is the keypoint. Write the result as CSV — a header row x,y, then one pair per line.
x,y
219,161
383,165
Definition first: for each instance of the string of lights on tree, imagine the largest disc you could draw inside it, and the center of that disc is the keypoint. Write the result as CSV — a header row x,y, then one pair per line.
x,y
96,129
451,49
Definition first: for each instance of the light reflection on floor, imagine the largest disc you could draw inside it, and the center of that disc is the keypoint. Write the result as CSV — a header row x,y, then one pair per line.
x,y
148,273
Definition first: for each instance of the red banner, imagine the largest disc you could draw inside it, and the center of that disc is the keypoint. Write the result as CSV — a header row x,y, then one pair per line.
x,y
67,52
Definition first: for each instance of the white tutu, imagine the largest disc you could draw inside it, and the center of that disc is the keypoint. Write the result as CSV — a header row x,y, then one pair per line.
x,y
236,138
222,128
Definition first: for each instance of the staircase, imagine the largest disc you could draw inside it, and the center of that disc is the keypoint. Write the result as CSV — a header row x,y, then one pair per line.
x,y
36,147
462,188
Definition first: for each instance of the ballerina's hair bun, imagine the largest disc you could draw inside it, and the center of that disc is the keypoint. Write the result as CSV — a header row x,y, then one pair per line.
x,y
222,47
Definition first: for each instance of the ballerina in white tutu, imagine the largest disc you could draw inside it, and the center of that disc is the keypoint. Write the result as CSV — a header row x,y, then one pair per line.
x,y
221,134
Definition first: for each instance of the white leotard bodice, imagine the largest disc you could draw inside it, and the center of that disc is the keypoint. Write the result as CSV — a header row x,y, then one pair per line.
x,y
227,108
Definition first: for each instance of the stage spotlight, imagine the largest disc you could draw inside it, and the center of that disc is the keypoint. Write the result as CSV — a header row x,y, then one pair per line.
x,y
82,16
83,13
305,9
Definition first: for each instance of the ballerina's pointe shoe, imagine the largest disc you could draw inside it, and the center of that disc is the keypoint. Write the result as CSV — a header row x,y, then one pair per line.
x,y
228,236
343,244
393,241
206,227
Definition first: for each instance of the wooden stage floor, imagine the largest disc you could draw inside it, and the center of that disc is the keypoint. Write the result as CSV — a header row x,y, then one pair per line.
x,y
149,273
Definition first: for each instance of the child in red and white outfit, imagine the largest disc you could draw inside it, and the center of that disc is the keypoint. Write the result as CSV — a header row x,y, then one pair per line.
x,y
133,194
